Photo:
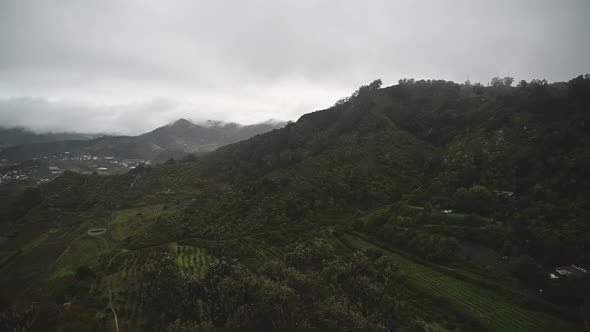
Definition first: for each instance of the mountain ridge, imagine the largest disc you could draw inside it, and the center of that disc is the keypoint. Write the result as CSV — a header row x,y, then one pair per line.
x,y
11,136
174,140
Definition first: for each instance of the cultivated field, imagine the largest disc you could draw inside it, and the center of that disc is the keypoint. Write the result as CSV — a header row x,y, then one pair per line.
x,y
125,284
491,309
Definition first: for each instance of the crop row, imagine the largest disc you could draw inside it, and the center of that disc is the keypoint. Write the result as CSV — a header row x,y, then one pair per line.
x,y
132,272
191,259
499,314
491,309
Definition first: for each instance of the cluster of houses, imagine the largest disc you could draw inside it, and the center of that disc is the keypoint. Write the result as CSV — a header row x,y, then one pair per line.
x,y
104,164
90,163
12,172
57,164
55,170
97,162
13,176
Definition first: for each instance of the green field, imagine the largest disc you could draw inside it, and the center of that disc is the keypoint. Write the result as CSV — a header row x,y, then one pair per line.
x,y
61,252
83,251
38,257
191,260
133,221
491,309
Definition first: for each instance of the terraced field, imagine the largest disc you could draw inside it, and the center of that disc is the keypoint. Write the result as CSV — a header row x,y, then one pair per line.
x,y
126,283
492,310
191,259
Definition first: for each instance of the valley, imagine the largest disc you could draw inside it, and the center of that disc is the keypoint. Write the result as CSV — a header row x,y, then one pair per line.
x,y
333,166
370,215
175,140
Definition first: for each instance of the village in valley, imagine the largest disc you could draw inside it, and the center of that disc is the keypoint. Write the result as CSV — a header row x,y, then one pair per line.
x,y
45,169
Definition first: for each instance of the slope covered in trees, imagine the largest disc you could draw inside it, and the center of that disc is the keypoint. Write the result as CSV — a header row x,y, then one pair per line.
x,y
380,197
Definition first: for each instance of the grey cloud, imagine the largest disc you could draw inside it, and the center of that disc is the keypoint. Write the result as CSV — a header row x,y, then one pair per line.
x,y
59,116
242,60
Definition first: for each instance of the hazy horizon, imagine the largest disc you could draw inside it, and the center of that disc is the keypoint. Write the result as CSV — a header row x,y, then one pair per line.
x,y
203,123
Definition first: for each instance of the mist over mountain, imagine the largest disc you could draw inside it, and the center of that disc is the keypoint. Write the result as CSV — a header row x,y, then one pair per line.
x,y
173,140
432,173
19,136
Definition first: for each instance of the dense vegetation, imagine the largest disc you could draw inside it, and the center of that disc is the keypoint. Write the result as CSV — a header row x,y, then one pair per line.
x,y
424,206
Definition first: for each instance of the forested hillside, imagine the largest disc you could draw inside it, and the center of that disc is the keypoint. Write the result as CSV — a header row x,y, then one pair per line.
x,y
423,206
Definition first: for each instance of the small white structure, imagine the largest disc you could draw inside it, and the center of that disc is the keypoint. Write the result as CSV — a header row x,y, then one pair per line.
x,y
504,193
553,276
570,270
96,231
447,211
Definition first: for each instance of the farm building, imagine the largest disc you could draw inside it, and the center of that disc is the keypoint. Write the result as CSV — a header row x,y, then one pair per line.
x,y
504,193
570,270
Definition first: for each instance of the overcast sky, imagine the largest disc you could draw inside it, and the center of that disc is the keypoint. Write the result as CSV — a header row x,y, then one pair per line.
x,y
130,66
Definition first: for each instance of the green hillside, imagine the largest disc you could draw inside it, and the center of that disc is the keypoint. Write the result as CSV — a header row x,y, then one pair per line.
x,y
339,221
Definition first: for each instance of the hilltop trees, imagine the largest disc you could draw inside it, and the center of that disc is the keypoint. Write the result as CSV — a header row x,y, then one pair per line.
x,y
502,82
476,199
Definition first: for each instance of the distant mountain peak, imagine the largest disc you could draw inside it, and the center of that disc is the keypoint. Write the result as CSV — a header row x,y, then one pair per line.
x,y
182,122
173,139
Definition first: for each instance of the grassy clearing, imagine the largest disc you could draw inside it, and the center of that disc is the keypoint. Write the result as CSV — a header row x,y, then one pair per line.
x,y
492,310
135,222
136,214
83,251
